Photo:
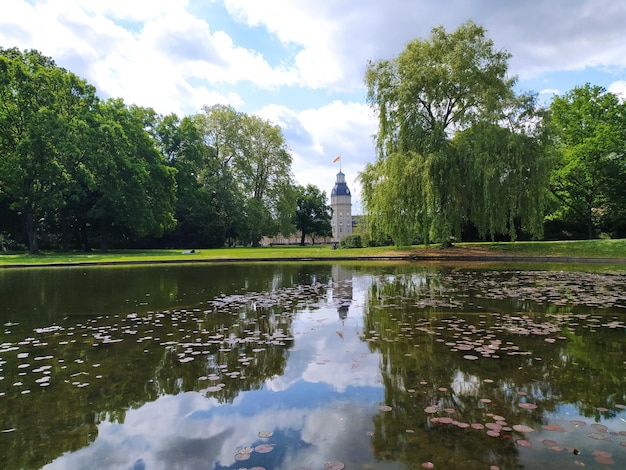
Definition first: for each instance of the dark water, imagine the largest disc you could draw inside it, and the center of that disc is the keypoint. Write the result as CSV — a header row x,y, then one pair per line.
x,y
283,366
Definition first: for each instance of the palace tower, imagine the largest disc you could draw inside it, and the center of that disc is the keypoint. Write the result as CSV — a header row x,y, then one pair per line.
x,y
341,203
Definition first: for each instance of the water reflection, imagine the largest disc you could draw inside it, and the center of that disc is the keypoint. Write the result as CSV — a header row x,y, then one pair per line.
x,y
342,289
287,366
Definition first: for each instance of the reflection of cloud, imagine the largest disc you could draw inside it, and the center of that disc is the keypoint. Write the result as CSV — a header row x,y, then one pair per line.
x,y
190,431
465,384
325,356
329,388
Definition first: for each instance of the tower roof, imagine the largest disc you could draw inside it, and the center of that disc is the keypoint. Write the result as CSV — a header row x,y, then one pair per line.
x,y
341,188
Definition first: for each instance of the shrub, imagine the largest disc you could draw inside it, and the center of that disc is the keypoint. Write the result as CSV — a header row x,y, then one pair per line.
x,y
351,241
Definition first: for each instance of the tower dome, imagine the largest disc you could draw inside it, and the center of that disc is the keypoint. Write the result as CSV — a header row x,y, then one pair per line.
x,y
341,188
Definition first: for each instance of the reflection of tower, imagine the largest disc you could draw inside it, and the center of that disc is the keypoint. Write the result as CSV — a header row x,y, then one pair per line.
x,y
341,203
342,290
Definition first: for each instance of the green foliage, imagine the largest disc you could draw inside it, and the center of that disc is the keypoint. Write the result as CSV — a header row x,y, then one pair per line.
x,y
77,172
253,152
73,169
425,185
207,199
136,188
448,81
351,241
589,183
312,215
506,177
43,118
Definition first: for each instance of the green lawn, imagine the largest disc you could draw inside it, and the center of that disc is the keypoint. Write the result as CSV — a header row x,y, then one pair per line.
x,y
574,249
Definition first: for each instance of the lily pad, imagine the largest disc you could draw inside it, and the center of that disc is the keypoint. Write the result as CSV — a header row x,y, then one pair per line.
x,y
264,448
527,406
334,465
522,428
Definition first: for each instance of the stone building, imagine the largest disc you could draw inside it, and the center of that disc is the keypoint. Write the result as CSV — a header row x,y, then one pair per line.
x,y
341,203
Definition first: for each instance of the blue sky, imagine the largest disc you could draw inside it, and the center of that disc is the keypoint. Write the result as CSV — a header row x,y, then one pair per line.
x,y
300,63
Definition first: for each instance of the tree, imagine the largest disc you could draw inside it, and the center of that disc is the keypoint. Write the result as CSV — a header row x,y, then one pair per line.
x,y
312,215
506,173
589,181
44,115
207,199
135,192
255,154
418,189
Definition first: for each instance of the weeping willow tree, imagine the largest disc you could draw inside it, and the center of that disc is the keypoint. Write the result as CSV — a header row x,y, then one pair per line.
x,y
456,146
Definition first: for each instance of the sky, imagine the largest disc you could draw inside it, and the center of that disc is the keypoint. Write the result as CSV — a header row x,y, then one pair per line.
x,y
301,63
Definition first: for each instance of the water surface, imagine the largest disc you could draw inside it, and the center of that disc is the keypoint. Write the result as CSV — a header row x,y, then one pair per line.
x,y
294,365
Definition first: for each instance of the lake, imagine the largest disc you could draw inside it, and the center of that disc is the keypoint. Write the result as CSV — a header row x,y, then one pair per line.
x,y
313,365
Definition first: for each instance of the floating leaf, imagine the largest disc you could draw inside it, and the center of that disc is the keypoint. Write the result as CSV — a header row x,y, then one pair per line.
x,y
528,406
599,427
334,465
522,428
264,448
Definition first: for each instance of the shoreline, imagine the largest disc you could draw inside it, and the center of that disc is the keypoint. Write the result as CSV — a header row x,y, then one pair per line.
x,y
440,258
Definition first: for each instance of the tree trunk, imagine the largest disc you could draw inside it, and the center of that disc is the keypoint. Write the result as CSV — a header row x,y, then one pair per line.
x,y
590,230
81,236
302,238
31,230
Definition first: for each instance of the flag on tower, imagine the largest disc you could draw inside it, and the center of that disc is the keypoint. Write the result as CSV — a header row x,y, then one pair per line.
x,y
337,159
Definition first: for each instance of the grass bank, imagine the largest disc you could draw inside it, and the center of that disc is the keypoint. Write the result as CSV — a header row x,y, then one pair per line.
x,y
584,249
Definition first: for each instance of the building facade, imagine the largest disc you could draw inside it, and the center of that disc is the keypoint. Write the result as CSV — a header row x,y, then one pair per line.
x,y
341,203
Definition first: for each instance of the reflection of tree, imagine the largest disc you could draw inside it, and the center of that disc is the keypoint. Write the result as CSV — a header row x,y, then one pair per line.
x,y
236,326
417,324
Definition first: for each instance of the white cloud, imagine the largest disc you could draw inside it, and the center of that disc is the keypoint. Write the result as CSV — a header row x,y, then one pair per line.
x,y
131,10
166,55
619,88
317,136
